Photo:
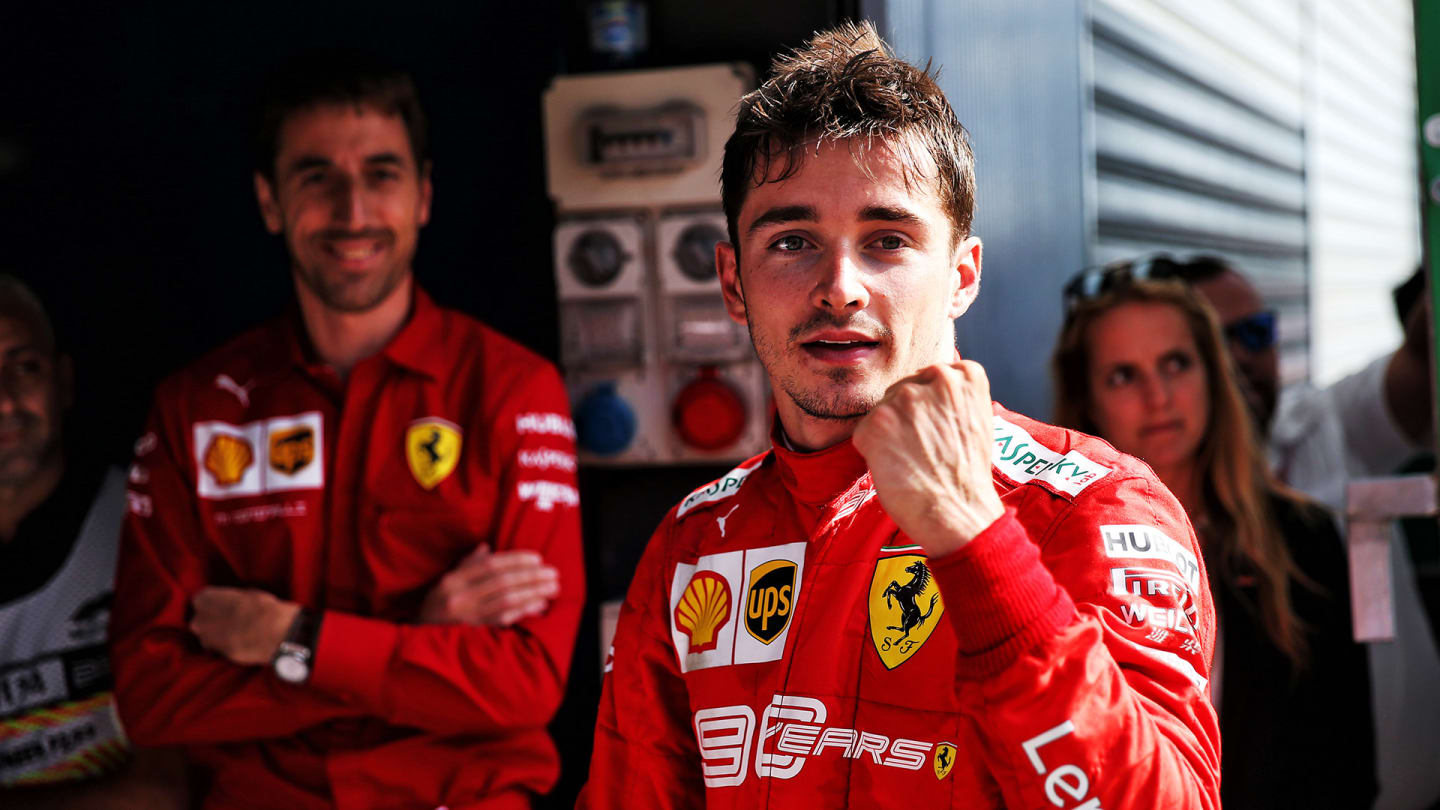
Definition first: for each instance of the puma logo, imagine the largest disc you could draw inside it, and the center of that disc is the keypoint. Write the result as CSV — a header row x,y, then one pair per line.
x,y
241,392
720,521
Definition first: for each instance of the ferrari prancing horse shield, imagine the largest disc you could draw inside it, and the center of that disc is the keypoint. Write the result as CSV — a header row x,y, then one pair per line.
x,y
905,606
432,446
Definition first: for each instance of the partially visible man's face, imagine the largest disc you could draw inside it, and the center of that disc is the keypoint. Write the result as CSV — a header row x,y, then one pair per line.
x,y
350,201
33,390
1236,299
847,283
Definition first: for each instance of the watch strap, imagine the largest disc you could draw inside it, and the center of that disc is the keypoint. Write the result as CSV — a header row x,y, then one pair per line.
x,y
305,629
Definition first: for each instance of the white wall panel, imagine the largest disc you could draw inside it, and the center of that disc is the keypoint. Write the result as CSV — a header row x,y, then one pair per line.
x,y
1276,133
1360,171
1214,93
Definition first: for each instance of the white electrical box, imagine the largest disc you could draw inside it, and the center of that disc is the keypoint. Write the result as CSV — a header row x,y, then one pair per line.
x,y
658,372
640,138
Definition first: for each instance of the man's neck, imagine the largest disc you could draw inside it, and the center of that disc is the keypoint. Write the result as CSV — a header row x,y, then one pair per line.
x,y
343,339
807,434
19,500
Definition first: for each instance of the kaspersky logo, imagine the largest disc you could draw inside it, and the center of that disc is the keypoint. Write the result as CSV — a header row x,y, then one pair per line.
x,y
704,608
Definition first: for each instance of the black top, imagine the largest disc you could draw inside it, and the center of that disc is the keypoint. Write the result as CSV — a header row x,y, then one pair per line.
x,y
44,538
1288,739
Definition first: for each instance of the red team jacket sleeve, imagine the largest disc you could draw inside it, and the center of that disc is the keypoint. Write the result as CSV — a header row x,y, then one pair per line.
x,y
1087,651
463,679
168,689
645,752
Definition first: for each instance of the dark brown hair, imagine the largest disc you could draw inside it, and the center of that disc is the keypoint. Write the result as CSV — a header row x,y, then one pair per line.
x,y
1236,483
336,77
846,85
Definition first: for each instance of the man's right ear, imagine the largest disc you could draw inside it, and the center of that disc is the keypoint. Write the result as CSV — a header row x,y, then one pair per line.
x,y
727,266
269,208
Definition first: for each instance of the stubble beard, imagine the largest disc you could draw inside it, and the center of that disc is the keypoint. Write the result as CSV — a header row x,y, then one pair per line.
x,y
348,292
351,295
848,400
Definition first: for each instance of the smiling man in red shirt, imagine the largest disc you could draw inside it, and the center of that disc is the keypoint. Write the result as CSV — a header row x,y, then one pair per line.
x,y
917,598
331,587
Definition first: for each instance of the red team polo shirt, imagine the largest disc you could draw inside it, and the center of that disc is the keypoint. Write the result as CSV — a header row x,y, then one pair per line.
x,y
262,469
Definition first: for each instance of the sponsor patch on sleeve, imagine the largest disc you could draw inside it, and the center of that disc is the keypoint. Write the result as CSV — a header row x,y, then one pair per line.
x,y
547,494
1161,598
1022,459
1140,542
545,424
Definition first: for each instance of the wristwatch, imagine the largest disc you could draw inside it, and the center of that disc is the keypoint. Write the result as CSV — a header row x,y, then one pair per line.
x,y
295,656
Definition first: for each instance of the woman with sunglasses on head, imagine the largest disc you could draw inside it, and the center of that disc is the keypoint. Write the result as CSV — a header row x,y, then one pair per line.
x,y
1140,362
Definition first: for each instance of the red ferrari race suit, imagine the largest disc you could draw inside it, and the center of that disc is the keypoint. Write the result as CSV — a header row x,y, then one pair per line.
x,y
784,645
262,469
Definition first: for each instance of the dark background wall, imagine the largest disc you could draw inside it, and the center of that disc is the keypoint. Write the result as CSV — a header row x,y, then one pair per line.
x,y
126,197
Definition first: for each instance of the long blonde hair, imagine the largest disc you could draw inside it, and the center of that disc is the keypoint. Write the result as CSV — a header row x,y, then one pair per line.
x,y
1236,483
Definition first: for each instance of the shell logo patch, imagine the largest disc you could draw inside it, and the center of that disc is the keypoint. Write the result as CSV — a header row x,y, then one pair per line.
x,y
227,462
714,596
432,448
944,759
769,603
292,450
227,457
905,607
704,608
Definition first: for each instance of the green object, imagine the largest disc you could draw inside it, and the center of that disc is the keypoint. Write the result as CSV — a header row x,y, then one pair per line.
x,y
1427,83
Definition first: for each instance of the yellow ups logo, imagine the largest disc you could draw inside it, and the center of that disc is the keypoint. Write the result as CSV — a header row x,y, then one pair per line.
x,y
227,458
703,610
292,450
771,599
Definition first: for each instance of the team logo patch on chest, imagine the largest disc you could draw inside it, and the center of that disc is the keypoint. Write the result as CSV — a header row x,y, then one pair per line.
x,y
432,448
905,607
291,450
703,610
711,597
769,601
227,457
270,455
944,759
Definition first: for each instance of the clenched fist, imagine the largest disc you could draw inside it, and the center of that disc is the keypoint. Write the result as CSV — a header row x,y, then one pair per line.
x,y
928,444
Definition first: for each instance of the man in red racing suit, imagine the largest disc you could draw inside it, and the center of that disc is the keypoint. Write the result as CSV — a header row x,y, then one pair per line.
x,y
917,598
763,656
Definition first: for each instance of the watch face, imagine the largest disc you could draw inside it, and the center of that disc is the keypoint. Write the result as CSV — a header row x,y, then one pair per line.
x,y
291,669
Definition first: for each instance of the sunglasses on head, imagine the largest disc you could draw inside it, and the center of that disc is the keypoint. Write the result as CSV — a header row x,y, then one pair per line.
x,y
1254,332
1093,282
